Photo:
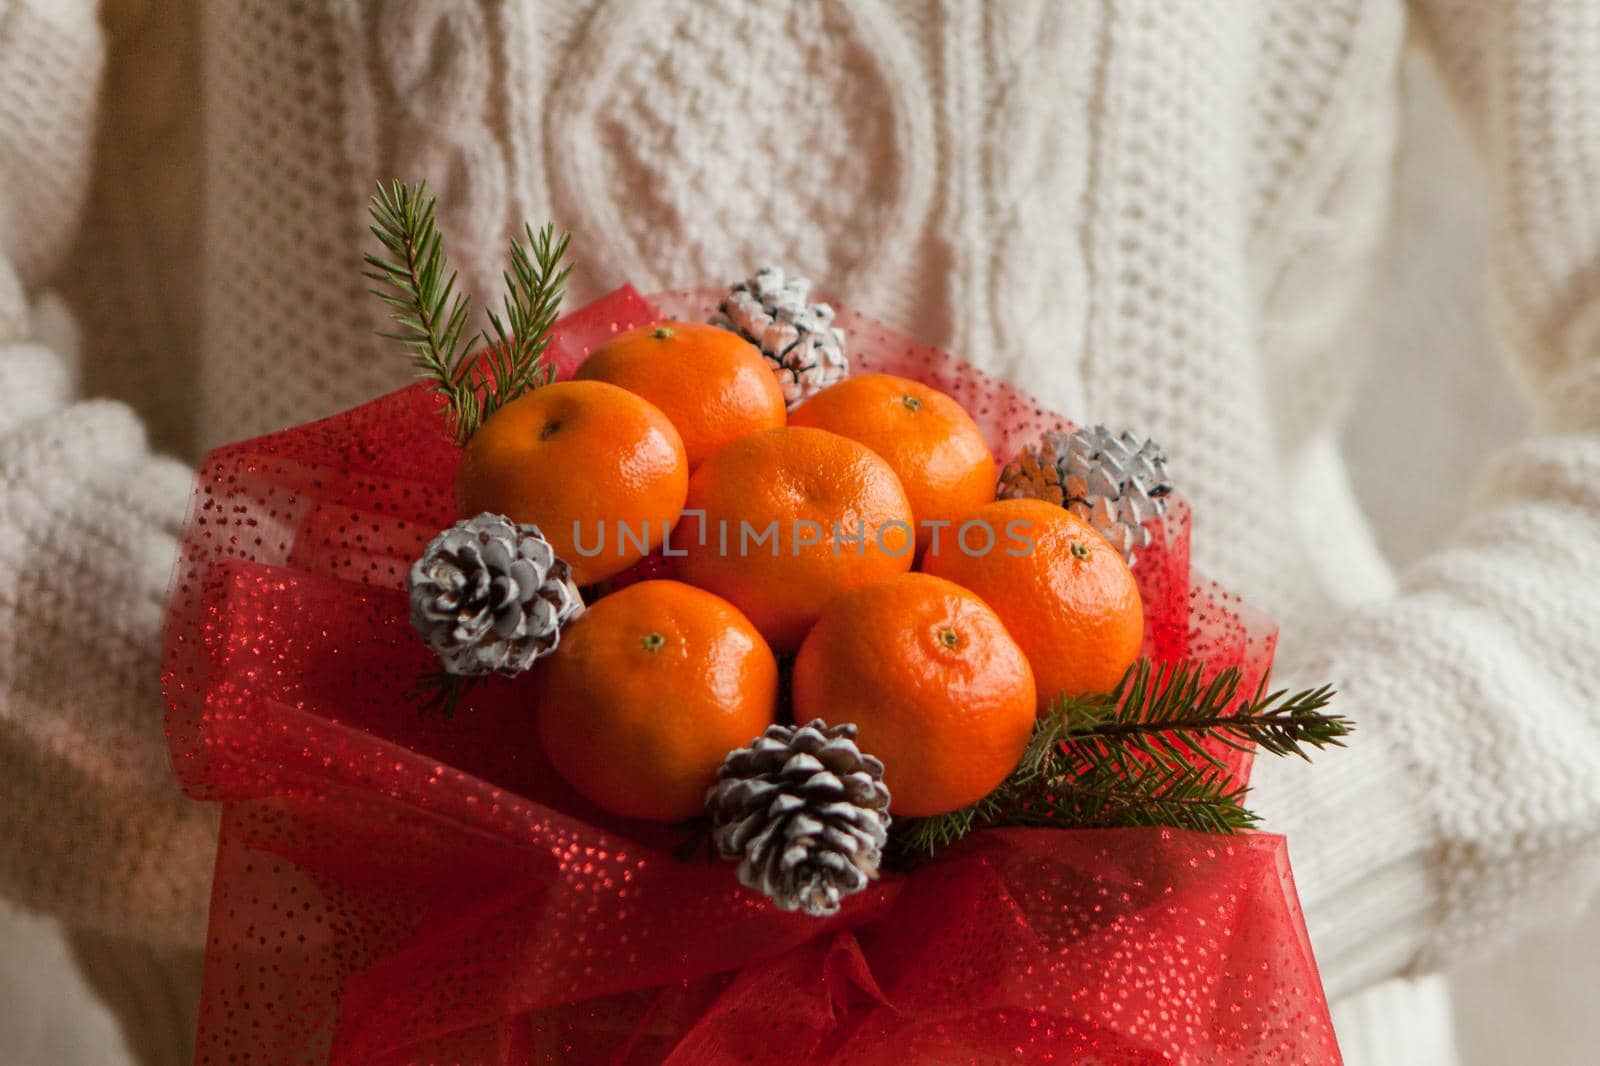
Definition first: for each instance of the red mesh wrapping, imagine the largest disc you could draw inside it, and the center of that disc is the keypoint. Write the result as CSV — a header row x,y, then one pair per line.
x,y
392,888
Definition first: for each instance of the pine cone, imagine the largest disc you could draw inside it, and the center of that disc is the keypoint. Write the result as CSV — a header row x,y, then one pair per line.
x,y
798,338
804,812
1113,483
490,596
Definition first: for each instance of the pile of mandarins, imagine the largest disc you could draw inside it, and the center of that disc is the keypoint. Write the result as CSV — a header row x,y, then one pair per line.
x,y
858,534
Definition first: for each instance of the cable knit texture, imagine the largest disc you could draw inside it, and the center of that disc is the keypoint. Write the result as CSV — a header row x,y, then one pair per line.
x,y
1150,214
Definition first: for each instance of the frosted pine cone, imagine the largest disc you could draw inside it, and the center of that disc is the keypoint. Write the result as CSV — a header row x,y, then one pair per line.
x,y
490,596
1113,483
798,338
804,812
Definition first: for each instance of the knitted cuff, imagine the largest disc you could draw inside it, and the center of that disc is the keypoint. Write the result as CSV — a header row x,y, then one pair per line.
x,y
95,829
1359,835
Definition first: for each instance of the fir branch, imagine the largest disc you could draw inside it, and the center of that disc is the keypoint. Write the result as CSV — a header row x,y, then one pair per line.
x,y
1137,756
419,288
535,286
1107,791
1167,713
439,692
922,837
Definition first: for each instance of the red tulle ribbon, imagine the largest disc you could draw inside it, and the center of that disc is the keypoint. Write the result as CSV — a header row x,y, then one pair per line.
x,y
393,888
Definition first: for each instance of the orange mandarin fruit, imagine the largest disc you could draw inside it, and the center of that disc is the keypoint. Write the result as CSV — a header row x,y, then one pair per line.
x,y
591,464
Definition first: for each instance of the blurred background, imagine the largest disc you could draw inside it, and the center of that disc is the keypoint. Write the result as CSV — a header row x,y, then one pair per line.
x,y
1430,353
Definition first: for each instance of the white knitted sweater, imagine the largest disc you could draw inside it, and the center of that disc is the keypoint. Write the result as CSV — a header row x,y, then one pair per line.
x,y
1154,214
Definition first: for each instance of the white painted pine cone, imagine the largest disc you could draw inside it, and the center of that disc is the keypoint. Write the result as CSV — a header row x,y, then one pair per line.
x,y
805,813
490,596
1112,482
797,337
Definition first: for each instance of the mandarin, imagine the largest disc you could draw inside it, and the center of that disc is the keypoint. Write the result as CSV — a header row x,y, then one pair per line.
x,y
935,685
792,518
713,384
648,692
926,437
599,470
1062,590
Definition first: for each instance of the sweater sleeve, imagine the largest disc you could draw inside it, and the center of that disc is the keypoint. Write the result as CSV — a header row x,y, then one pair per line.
x,y
1468,809
93,827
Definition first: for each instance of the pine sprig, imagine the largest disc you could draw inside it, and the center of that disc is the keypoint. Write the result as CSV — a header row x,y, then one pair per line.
x,y
1168,712
438,692
416,282
1107,789
419,287
921,837
1138,756
535,286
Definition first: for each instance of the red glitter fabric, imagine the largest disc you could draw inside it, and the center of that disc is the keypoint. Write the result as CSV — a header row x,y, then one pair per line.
x,y
393,888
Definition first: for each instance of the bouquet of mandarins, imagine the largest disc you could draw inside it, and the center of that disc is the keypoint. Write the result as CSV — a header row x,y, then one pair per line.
x,y
670,682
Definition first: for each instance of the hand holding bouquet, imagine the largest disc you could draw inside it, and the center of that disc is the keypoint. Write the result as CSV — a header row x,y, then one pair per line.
x,y
745,723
